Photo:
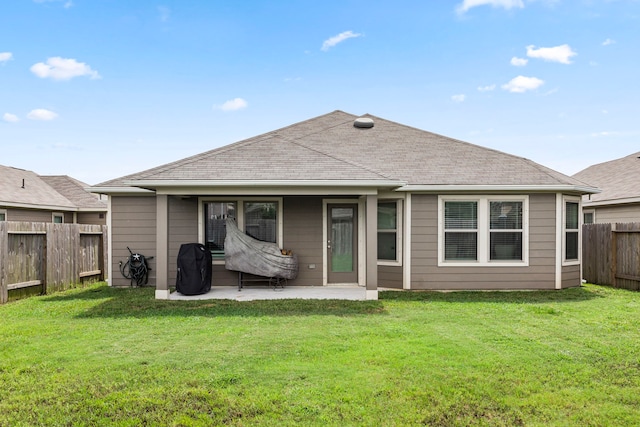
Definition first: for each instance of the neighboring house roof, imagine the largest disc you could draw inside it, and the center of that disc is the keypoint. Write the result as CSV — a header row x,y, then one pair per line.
x,y
330,149
25,189
75,191
618,179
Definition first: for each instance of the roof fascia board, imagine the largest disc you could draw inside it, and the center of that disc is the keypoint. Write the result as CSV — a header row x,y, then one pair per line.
x,y
587,203
267,191
39,207
509,188
99,210
374,183
121,190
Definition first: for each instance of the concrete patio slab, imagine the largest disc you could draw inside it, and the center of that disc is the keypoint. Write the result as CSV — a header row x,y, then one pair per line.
x,y
252,293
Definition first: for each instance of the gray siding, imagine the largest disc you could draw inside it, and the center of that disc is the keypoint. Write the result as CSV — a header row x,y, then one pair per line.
x,y
540,274
390,277
571,276
36,215
133,225
614,214
183,228
303,235
30,215
92,218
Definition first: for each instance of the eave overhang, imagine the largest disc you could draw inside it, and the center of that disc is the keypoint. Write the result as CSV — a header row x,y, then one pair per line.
x,y
282,187
120,190
38,206
485,188
610,202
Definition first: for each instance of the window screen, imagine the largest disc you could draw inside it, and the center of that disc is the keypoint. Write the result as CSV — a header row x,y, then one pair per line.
x,y
461,230
387,231
505,231
571,230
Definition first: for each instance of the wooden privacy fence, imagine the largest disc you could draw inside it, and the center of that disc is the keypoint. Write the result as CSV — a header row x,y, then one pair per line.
x,y
611,254
50,256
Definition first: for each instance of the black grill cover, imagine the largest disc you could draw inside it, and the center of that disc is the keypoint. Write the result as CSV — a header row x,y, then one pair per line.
x,y
194,269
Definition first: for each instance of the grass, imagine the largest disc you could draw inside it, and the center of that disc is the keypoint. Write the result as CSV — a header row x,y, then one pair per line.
x,y
103,356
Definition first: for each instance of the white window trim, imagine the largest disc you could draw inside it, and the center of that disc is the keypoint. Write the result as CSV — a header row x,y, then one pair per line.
x,y
484,231
55,214
589,211
578,200
239,201
399,233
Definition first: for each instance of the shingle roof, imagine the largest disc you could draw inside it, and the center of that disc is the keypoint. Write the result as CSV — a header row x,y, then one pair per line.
x,y
75,191
618,179
329,147
19,187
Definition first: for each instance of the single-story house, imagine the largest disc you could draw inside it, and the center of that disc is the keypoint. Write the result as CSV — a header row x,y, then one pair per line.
x,y
29,197
619,200
360,200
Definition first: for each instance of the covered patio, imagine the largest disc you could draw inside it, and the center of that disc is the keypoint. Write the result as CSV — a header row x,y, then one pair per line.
x,y
254,293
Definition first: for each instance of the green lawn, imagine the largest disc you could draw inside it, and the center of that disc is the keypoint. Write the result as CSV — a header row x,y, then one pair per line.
x,y
101,356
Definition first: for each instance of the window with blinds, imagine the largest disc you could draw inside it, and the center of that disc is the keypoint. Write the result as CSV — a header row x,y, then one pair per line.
x,y
460,230
483,230
505,230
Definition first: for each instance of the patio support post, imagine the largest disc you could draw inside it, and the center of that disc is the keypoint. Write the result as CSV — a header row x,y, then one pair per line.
x,y
372,246
162,246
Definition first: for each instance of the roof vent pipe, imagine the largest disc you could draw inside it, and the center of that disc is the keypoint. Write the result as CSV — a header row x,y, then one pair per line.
x,y
363,123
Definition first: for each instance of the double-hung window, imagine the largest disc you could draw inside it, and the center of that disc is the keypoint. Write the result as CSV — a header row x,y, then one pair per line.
x,y
483,230
571,229
259,219
3,214
390,232
461,230
505,230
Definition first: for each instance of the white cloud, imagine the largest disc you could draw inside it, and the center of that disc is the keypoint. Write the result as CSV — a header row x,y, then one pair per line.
x,y
234,105
332,41
67,4
5,56
58,68
522,84
607,42
11,118
507,4
561,54
165,13
488,88
41,114
519,62
458,98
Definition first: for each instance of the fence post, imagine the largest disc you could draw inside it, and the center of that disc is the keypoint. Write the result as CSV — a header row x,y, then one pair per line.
x,y
614,255
4,247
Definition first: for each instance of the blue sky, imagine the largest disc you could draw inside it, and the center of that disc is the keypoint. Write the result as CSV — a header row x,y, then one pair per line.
x,y
98,89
